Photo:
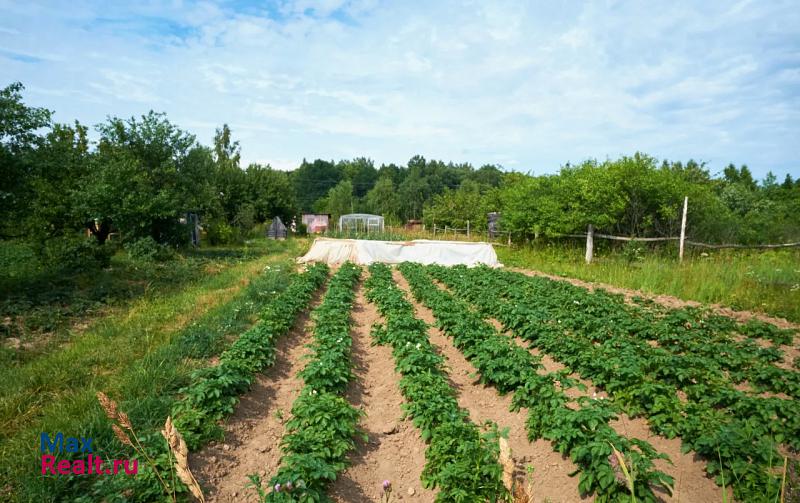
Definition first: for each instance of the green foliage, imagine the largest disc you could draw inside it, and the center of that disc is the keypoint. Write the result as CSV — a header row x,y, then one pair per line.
x,y
339,200
603,339
323,429
74,253
461,462
584,433
219,232
148,250
215,390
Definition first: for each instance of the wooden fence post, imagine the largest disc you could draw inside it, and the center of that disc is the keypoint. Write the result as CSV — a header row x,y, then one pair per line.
x,y
589,244
467,228
683,227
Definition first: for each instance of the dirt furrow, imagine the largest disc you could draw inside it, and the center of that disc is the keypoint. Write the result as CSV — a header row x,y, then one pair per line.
x,y
550,478
688,470
394,450
254,431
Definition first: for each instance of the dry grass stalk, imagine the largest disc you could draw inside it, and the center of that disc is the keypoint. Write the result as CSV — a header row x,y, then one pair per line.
x,y
120,423
520,492
181,452
121,435
109,406
628,477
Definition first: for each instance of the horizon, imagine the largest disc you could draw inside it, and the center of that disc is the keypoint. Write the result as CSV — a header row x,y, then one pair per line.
x,y
526,88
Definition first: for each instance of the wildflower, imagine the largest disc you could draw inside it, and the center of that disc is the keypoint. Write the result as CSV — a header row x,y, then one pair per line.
x,y
387,486
277,488
288,486
419,345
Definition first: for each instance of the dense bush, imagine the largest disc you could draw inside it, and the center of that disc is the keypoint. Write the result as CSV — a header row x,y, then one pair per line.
x,y
148,250
74,253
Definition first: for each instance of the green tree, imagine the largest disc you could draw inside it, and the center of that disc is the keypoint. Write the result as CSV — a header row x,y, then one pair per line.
x,y
145,176
271,193
361,172
382,199
312,181
340,200
19,137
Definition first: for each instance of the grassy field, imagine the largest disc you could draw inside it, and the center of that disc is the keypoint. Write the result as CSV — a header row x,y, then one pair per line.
x,y
139,348
763,281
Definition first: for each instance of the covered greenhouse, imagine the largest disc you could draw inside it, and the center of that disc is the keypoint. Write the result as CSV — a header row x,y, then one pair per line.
x,y
361,222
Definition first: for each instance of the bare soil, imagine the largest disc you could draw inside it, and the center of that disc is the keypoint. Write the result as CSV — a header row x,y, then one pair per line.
x,y
254,431
394,450
551,481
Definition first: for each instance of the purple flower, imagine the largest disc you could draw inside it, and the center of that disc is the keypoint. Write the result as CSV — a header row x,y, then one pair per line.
x,y
387,486
277,488
288,486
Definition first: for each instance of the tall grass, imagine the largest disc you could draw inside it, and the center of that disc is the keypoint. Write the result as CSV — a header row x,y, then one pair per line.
x,y
762,281
142,356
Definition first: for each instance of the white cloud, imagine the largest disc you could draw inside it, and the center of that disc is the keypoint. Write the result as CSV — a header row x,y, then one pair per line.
x,y
530,86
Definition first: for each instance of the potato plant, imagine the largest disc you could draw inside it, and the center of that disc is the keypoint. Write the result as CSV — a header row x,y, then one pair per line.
x,y
214,391
583,434
606,341
461,462
323,427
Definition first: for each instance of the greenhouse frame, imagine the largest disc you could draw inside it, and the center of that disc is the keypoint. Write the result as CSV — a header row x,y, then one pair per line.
x,y
361,222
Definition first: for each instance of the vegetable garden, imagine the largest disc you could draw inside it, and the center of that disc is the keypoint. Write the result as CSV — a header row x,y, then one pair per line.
x,y
726,391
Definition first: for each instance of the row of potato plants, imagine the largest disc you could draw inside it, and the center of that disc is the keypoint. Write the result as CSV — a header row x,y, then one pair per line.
x,y
215,390
461,461
735,432
583,433
323,425
701,377
731,347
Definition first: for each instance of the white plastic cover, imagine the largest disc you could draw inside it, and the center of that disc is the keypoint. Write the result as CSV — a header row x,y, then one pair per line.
x,y
423,251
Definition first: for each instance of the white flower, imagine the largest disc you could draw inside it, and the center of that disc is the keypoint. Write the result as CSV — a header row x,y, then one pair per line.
x,y
576,302
419,345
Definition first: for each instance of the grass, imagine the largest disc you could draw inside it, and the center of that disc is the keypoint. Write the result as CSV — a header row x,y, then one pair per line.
x,y
762,281
140,354
41,309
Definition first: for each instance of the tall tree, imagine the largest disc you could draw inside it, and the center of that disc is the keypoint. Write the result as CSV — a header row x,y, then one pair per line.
x,y
19,136
144,179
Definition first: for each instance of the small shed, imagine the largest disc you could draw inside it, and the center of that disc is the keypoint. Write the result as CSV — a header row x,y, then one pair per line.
x,y
316,223
276,229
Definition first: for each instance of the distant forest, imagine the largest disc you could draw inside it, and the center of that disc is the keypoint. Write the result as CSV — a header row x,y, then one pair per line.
x,y
143,174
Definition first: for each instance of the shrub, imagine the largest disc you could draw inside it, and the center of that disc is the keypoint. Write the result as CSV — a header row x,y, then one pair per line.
x,y
74,253
148,250
220,233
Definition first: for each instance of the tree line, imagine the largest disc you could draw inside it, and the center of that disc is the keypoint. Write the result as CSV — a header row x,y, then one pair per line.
x,y
142,175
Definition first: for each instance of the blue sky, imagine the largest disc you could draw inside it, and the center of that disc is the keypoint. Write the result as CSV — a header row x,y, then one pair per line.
x,y
528,85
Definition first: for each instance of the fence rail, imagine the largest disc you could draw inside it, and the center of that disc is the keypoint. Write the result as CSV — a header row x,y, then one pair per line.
x,y
590,235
